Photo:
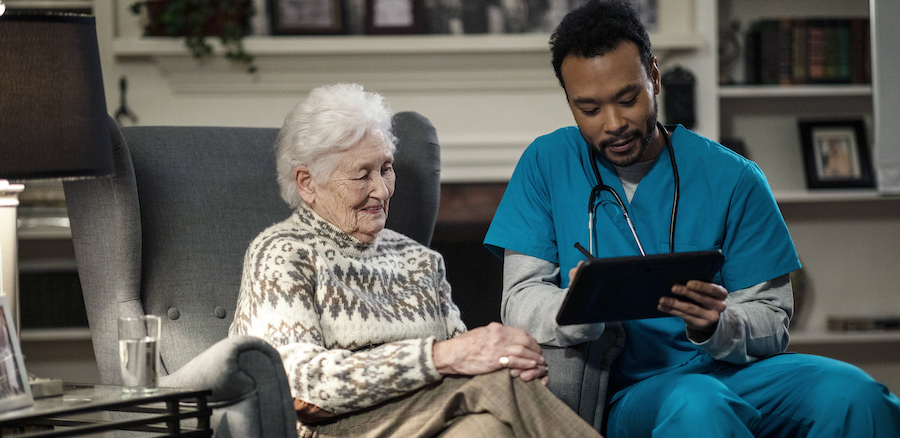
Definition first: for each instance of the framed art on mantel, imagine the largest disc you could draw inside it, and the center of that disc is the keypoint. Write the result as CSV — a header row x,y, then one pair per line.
x,y
304,17
393,16
836,154
15,391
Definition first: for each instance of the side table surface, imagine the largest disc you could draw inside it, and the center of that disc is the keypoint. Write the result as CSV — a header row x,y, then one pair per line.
x,y
161,412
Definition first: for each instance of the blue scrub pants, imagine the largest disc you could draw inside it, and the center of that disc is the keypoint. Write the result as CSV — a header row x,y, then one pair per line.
x,y
787,395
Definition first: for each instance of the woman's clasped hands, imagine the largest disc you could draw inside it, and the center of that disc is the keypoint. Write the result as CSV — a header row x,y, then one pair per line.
x,y
486,349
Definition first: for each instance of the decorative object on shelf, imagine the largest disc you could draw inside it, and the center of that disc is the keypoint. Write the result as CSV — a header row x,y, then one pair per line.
x,y
729,51
836,154
198,19
15,392
879,323
307,17
124,113
446,16
802,298
52,115
678,96
393,16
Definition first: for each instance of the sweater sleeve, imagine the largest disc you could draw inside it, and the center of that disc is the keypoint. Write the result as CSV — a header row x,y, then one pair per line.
x,y
277,303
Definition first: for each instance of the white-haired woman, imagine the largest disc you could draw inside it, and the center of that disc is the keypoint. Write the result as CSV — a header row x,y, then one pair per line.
x,y
362,316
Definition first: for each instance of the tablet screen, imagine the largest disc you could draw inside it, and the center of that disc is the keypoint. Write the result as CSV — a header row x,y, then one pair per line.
x,y
625,288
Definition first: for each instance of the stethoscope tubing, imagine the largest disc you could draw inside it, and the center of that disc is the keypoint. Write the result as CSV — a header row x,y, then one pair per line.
x,y
600,187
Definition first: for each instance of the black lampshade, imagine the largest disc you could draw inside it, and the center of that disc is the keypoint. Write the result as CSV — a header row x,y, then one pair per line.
x,y
53,120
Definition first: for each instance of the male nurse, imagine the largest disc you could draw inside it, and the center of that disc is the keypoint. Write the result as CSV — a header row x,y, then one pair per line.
x,y
717,366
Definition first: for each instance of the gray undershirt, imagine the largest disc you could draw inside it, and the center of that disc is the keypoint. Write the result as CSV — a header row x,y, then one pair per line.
x,y
630,176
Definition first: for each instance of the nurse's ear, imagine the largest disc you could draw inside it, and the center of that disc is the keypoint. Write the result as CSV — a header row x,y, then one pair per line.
x,y
655,76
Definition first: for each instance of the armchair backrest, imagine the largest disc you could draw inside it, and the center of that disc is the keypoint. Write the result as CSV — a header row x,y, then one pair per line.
x,y
167,234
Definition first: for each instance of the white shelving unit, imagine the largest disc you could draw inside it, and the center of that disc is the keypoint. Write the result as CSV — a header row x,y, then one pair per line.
x,y
782,91
799,196
846,238
830,338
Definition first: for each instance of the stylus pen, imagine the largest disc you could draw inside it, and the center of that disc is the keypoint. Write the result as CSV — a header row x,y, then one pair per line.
x,y
584,251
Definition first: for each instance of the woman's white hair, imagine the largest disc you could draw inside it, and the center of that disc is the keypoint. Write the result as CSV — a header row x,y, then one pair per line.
x,y
332,120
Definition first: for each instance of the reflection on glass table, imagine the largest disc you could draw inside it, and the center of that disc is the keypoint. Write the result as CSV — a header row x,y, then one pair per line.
x,y
170,411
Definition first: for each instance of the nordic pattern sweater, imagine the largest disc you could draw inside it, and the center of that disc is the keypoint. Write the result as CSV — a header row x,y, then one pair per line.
x,y
354,322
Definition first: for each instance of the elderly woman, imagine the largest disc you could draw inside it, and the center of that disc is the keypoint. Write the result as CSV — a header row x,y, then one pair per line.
x,y
371,340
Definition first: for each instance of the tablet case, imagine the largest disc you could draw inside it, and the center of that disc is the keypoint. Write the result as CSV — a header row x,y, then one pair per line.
x,y
625,288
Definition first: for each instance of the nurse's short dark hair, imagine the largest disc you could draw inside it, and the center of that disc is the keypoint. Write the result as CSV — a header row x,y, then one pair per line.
x,y
597,28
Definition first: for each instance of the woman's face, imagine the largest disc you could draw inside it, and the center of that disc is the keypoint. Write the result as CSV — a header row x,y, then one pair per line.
x,y
355,196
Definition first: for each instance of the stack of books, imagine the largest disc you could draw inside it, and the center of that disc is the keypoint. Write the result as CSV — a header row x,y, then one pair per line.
x,y
792,51
852,324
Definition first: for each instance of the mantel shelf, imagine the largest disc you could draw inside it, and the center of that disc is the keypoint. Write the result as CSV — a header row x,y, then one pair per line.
x,y
382,44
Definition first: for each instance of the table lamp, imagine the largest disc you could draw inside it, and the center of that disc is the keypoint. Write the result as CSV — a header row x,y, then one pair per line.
x,y
53,120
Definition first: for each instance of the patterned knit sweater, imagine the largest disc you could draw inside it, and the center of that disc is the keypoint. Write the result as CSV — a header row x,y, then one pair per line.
x,y
354,322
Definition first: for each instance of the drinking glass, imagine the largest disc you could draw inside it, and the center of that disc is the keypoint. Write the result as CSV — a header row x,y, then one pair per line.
x,y
139,353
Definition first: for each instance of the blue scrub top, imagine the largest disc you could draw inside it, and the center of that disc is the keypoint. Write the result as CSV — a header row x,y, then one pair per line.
x,y
725,203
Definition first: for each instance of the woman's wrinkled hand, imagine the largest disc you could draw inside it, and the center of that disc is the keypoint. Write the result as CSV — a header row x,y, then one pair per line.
x,y
479,351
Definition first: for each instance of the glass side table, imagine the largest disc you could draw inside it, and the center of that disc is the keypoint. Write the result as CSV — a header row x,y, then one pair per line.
x,y
160,413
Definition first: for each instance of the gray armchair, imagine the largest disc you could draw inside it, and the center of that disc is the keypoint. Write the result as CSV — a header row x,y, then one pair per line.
x,y
579,375
167,235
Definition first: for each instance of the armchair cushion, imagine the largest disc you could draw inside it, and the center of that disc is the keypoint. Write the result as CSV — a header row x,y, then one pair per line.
x,y
579,375
248,384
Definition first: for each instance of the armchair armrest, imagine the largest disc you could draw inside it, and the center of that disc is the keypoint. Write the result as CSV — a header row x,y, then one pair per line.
x,y
248,384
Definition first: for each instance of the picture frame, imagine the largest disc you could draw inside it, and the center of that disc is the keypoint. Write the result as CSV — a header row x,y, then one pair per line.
x,y
836,154
306,17
395,17
15,389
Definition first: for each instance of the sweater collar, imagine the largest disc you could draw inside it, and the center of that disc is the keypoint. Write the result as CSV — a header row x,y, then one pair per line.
x,y
305,217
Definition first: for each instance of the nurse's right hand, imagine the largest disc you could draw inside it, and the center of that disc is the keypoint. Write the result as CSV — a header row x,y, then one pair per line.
x,y
574,271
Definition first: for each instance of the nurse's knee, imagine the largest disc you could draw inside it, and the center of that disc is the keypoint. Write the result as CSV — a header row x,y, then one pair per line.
x,y
696,395
689,402
844,385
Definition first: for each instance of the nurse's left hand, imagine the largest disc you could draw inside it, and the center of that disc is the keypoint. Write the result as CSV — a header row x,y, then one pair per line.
x,y
703,314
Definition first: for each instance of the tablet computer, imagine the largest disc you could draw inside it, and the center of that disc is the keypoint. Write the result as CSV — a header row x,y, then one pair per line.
x,y
625,288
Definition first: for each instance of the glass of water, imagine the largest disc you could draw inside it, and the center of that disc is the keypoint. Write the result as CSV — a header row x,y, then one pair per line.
x,y
139,353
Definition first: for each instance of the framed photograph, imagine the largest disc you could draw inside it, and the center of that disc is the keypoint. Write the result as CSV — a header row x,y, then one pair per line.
x,y
306,17
15,391
836,154
393,16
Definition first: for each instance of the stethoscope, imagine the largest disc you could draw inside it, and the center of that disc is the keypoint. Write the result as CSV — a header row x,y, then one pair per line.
x,y
600,187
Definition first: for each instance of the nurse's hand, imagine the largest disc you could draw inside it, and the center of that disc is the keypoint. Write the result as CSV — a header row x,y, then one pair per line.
x,y
574,271
702,316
